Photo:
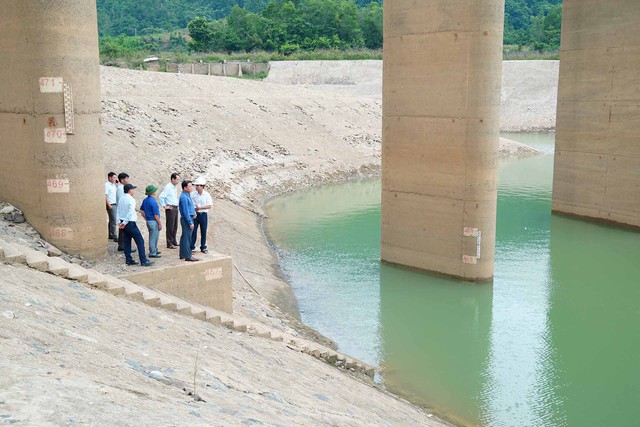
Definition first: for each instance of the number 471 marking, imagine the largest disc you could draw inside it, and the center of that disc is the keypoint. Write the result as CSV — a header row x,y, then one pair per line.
x,y
50,84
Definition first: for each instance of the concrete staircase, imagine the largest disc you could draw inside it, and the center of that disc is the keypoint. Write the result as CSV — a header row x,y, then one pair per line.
x,y
14,253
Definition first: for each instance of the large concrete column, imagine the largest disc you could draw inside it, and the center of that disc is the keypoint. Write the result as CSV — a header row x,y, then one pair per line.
x,y
51,169
597,160
441,105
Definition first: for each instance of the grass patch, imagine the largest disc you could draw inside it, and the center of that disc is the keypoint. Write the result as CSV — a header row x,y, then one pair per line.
x,y
524,53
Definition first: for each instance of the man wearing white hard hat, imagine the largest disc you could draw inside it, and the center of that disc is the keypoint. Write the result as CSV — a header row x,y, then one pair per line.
x,y
203,202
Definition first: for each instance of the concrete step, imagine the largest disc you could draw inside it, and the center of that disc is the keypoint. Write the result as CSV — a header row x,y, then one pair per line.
x,y
34,258
10,254
192,311
151,299
58,266
78,273
97,280
22,254
258,330
168,304
115,288
213,317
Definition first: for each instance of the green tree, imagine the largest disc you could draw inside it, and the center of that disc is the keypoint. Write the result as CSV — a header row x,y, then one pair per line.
x,y
371,24
201,34
545,29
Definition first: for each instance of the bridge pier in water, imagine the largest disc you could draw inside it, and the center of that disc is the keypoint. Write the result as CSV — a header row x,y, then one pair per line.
x,y
597,157
52,164
441,107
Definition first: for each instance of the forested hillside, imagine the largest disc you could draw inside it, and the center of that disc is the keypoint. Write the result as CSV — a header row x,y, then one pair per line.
x,y
136,17
287,26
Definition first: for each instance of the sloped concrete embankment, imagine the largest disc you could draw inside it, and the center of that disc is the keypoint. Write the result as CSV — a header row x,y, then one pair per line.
x,y
73,354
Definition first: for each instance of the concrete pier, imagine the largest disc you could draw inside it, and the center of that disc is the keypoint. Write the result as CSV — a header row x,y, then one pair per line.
x,y
597,159
51,165
441,104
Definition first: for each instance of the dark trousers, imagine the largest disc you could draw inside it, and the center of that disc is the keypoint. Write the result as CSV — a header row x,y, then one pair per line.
x,y
112,222
172,226
185,239
131,231
201,221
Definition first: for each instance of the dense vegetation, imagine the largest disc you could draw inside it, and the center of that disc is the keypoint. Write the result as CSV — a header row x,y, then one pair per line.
x,y
533,23
285,27
140,17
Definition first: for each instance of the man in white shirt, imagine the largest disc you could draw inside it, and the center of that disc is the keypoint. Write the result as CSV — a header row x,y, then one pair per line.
x,y
127,216
169,201
123,178
110,199
202,202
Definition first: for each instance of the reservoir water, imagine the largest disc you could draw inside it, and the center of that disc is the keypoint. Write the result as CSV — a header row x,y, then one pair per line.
x,y
553,341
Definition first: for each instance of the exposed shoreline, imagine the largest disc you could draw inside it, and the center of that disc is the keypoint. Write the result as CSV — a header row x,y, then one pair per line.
x,y
255,140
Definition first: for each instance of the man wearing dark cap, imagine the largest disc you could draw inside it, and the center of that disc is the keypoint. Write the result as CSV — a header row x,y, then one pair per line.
x,y
123,178
151,212
126,218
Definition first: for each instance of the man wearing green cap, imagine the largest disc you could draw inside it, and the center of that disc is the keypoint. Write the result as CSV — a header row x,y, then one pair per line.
x,y
151,212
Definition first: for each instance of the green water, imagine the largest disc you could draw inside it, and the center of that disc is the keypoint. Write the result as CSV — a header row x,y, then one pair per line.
x,y
554,341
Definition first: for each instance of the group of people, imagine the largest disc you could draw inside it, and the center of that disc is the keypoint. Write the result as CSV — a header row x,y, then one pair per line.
x,y
192,207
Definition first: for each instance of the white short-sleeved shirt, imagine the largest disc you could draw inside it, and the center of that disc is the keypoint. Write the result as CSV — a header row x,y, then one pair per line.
x,y
110,192
200,200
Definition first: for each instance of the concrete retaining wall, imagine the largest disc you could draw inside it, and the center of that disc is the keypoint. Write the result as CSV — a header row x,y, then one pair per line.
x,y
230,68
207,282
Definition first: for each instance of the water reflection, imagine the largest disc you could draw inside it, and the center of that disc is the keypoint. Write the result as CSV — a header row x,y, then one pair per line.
x,y
329,244
435,340
514,382
594,322
553,342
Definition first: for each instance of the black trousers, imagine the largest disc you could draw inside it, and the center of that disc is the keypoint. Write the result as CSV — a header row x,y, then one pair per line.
x,y
172,226
131,231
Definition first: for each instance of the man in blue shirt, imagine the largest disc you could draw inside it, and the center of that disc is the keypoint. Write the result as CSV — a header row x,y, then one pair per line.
x,y
151,212
187,213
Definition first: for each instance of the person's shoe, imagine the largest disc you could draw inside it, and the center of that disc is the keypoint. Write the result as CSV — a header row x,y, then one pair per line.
x,y
155,256
115,240
132,263
147,264
120,249
133,250
192,259
205,251
181,257
171,247
158,253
